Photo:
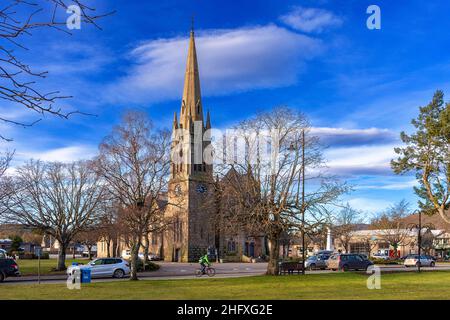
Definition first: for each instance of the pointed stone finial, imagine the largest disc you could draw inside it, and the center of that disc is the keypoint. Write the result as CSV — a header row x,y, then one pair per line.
x,y
208,121
175,120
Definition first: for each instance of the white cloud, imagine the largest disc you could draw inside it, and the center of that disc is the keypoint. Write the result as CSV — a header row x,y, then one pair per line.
x,y
64,154
391,186
229,60
348,137
311,19
369,204
361,160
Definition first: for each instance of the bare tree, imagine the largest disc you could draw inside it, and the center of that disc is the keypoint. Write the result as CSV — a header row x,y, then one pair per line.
x,y
345,224
89,238
5,160
19,19
135,162
57,199
267,199
393,228
110,229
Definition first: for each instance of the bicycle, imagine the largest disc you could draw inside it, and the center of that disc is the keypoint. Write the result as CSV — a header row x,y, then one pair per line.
x,y
209,271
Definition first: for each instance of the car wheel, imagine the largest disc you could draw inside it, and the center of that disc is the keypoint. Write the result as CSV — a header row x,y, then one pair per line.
x,y
119,273
432,264
2,277
312,267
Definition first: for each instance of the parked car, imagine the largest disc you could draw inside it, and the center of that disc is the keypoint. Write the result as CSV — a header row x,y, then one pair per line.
x,y
8,268
317,262
430,257
105,267
348,261
126,254
413,261
380,256
324,252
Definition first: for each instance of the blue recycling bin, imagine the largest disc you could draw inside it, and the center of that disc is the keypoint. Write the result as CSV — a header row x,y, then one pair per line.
x,y
85,275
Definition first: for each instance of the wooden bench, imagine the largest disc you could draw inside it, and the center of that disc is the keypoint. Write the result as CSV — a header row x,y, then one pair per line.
x,y
290,267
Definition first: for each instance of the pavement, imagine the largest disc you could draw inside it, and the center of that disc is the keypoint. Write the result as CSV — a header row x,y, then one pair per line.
x,y
172,271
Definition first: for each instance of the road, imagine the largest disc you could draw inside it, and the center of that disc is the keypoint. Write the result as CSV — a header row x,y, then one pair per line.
x,y
170,271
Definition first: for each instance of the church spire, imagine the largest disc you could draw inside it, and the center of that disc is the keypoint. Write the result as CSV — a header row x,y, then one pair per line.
x,y
192,102
175,120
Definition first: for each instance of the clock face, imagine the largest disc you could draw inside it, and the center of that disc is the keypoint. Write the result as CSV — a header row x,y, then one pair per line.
x,y
178,190
201,188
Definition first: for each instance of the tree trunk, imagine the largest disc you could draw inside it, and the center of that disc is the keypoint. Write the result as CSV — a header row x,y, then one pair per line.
x,y
61,264
89,252
274,256
115,247
146,250
108,248
134,260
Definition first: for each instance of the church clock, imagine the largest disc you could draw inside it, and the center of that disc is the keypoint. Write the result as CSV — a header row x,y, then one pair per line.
x,y
201,188
178,190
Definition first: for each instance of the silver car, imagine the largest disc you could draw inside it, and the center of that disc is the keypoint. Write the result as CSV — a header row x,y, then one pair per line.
x,y
412,260
316,262
105,267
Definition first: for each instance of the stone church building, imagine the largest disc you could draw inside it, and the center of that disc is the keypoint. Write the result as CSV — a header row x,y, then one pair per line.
x,y
190,202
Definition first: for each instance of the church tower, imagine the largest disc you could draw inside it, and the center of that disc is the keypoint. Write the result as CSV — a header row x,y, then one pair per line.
x,y
190,195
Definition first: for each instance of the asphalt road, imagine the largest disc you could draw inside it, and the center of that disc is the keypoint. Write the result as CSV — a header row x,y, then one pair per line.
x,y
170,271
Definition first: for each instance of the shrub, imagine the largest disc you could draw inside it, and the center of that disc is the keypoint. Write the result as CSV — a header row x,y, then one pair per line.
x,y
385,262
151,266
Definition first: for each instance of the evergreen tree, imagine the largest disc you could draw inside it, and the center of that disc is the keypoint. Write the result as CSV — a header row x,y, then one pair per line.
x,y
427,154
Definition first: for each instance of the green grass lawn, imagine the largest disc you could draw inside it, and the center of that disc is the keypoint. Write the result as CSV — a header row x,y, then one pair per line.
x,y
30,267
408,285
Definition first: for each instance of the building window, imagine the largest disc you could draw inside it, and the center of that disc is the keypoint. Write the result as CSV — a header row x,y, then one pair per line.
x,y
383,245
358,247
231,246
177,230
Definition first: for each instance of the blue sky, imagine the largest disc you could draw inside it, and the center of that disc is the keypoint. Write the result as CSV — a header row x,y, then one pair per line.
x,y
359,87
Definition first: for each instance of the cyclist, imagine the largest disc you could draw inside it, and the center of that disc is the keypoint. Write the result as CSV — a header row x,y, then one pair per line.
x,y
204,262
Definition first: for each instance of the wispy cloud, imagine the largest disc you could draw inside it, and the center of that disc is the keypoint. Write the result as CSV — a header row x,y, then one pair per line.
x,y
360,160
311,19
390,186
371,205
230,61
63,154
340,137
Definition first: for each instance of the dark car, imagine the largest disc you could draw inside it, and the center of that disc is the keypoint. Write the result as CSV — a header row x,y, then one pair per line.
x,y
8,268
348,261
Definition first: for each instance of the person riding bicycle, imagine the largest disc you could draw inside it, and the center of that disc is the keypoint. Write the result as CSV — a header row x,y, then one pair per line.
x,y
204,262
